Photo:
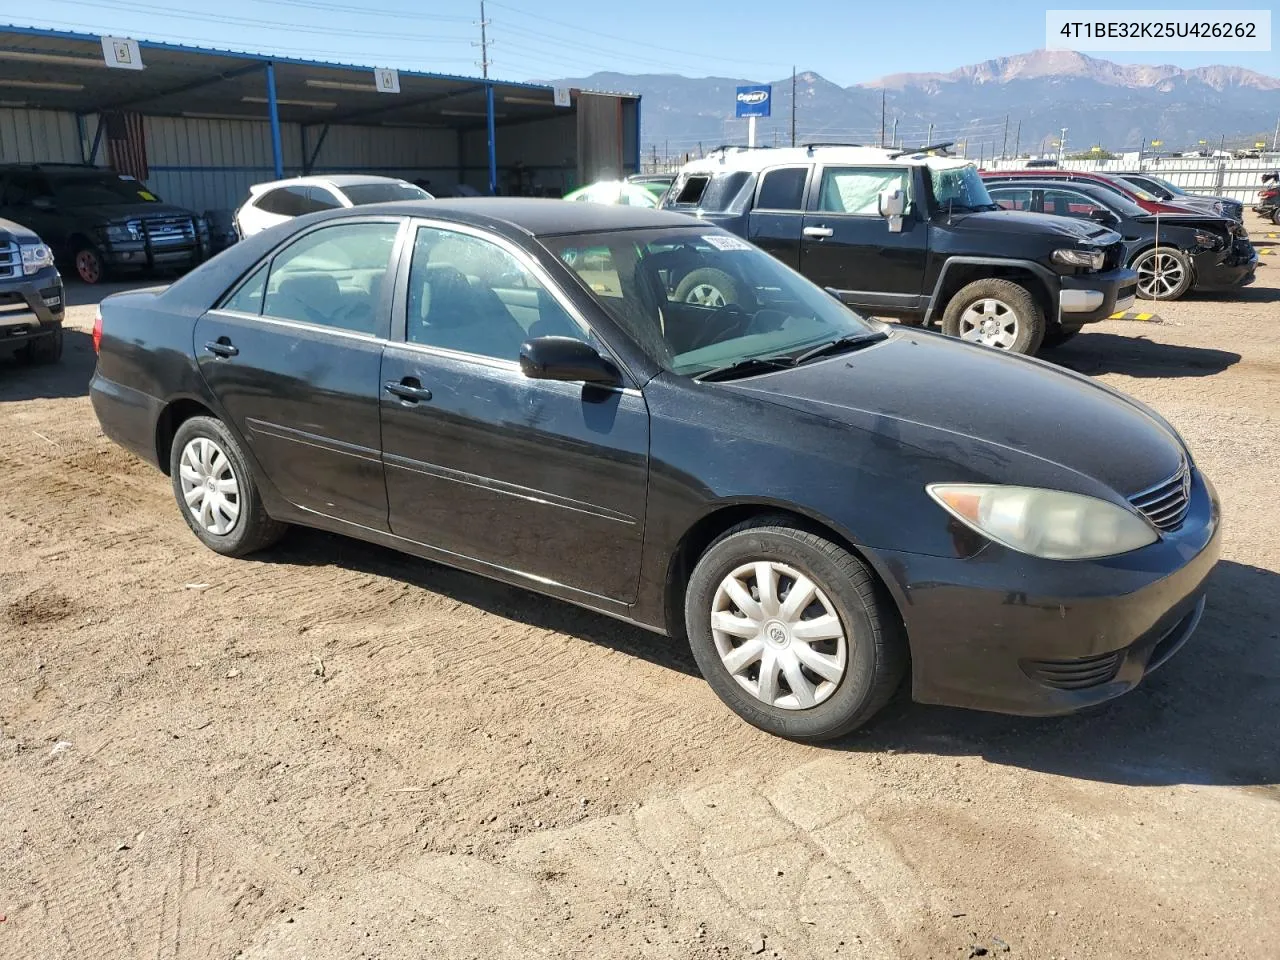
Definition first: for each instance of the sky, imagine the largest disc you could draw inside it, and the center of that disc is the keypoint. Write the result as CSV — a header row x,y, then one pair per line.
x,y
846,41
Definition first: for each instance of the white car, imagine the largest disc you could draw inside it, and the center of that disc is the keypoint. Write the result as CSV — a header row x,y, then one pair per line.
x,y
281,200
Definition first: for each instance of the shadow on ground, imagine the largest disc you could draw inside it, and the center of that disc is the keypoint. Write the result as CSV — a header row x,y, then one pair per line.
x,y
1136,356
69,377
1207,717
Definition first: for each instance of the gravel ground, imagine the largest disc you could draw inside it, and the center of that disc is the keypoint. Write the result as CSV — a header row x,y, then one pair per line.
x,y
334,751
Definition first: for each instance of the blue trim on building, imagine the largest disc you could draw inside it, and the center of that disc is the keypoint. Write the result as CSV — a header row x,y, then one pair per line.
x,y
273,113
493,141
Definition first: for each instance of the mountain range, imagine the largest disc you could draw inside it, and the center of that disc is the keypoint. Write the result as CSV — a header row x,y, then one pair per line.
x,y
1114,105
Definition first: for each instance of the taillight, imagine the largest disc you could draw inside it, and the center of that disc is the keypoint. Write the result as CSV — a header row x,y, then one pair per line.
x,y
97,331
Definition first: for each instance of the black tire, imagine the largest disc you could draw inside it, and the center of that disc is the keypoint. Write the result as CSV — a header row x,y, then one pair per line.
x,y
88,263
1018,306
708,287
252,529
1275,216
1180,262
1060,333
876,648
48,349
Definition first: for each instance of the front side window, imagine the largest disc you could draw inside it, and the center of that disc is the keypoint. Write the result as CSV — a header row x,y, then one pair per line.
x,y
332,277
698,299
1012,198
1068,203
471,295
782,189
856,190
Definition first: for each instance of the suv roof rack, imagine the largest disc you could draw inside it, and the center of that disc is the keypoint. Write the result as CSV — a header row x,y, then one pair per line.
x,y
726,147
829,143
925,149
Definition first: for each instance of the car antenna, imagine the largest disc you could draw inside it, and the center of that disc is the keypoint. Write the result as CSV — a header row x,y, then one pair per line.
x,y
928,147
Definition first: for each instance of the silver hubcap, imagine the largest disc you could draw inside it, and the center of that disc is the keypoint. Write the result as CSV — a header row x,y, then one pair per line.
x,y
209,486
705,295
1159,274
778,635
990,321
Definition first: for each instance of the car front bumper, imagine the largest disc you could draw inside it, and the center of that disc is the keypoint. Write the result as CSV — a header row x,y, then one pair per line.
x,y
30,307
1216,271
148,255
1006,632
1090,297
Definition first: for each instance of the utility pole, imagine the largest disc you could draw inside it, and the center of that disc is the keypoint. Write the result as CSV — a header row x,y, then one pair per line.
x,y
793,107
1275,141
484,43
894,139
1004,144
1062,145
1017,141
882,93
929,137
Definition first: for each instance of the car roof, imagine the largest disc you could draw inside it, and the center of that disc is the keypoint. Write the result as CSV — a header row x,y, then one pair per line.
x,y
756,159
334,179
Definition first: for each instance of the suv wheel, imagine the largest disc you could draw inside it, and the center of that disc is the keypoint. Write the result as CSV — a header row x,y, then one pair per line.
x,y
216,491
996,313
791,631
89,265
707,287
1164,273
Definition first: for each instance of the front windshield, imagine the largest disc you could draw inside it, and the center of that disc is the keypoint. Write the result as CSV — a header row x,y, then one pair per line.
x,y
361,193
960,188
698,299
102,191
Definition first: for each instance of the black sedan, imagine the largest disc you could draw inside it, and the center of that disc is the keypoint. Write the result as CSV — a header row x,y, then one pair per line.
x,y
1172,253
821,504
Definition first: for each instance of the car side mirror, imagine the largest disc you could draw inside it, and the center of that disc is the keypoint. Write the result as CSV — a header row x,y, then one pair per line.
x,y
569,359
1104,217
893,204
43,203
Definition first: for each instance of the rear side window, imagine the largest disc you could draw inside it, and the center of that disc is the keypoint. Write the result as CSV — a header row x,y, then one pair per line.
x,y
286,201
692,189
1012,199
318,198
782,189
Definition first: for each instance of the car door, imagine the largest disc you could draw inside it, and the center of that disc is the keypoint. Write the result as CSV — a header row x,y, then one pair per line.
x,y
28,199
776,221
847,246
547,479
293,357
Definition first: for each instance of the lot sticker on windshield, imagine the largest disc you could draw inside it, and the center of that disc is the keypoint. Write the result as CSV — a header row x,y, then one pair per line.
x,y
727,242
145,195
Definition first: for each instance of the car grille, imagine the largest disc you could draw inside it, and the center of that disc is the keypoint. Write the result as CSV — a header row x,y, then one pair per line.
x,y
1076,673
10,261
1166,505
1113,256
169,229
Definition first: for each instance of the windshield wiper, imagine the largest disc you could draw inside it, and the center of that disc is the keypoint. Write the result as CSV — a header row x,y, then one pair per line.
x,y
840,345
745,368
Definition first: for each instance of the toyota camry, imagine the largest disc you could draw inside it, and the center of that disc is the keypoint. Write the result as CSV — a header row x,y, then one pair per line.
x,y
825,507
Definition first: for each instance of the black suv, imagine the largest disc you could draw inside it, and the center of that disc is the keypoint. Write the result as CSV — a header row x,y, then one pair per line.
x,y
31,298
98,221
910,235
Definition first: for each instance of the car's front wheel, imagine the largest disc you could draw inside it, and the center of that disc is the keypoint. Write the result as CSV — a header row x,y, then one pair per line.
x,y
1164,273
792,631
996,313
216,491
89,265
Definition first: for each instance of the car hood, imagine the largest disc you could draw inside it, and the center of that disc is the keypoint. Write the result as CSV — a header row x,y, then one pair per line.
x,y
1025,222
995,417
11,232
124,212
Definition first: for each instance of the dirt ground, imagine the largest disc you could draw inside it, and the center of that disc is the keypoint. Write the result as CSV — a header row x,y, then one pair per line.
x,y
334,751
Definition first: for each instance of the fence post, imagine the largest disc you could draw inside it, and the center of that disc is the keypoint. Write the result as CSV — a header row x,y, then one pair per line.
x,y
1222,175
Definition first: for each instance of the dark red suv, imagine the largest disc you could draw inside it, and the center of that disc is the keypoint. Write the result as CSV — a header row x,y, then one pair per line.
x,y
1143,199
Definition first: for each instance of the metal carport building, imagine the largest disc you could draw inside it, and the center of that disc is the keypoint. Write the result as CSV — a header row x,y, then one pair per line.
x,y
213,122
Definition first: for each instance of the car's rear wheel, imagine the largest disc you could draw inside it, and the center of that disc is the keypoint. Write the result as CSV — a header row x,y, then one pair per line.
x,y
216,491
1059,333
89,265
996,313
1164,273
1275,216
792,631
708,287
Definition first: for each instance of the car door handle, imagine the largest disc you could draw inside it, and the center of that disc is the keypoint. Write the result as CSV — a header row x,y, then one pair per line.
x,y
408,390
222,348
818,232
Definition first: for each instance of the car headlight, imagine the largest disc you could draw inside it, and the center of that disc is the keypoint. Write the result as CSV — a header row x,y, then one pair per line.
x,y
35,257
1051,524
124,232
1089,259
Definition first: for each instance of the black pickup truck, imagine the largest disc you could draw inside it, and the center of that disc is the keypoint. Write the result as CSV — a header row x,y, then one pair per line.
x,y
910,235
31,297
